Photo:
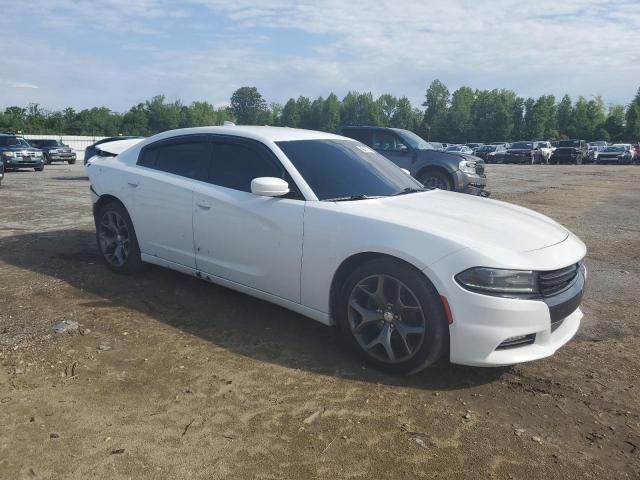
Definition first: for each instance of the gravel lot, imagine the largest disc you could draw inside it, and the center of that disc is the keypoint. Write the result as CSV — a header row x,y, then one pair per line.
x,y
171,377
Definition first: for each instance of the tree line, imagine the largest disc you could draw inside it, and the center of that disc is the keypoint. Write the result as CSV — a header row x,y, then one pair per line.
x,y
462,116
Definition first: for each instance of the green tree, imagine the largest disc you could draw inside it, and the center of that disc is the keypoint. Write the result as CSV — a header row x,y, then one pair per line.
x,y
248,106
135,121
331,113
290,116
403,115
615,123
387,104
632,117
458,120
564,118
436,101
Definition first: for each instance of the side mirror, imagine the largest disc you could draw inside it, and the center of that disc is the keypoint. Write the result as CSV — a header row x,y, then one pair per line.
x,y
269,187
403,148
406,171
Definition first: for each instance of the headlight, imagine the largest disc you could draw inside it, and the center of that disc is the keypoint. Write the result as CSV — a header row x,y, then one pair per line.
x,y
493,281
467,166
9,154
37,154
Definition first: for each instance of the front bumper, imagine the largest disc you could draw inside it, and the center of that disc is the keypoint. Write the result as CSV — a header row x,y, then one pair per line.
x,y
470,183
15,163
482,323
62,157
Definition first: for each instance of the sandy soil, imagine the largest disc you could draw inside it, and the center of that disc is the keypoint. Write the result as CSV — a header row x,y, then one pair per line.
x,y
170,377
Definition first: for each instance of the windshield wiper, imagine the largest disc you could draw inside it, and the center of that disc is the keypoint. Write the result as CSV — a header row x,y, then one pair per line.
x,y
409,190
360,196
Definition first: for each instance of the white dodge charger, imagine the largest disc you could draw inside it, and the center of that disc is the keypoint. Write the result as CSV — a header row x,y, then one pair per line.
x,y
325,226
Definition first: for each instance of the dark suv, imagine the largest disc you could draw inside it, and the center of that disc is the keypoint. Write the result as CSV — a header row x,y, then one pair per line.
x,y
444,170
54,151
16,153
570,151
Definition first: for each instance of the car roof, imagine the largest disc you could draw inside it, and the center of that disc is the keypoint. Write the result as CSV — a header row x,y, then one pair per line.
x,y
260,133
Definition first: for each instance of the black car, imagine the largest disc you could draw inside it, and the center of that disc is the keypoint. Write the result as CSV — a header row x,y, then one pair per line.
x,y
523,152
570,151
16,153
433,168
619,153
54,151
90,151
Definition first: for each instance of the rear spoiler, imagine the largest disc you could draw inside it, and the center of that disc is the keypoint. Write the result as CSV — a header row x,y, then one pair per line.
x,y
115,148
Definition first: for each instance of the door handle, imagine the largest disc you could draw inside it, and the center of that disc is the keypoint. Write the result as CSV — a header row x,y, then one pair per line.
x,y
204,204
133,184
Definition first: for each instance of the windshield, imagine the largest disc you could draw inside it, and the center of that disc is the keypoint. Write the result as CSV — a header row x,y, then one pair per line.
x,y
13,142
614,148
47,143
345,168
522,146
487,148
569,143
414,140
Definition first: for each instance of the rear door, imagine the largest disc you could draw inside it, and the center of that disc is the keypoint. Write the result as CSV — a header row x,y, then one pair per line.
x,y
250,240
160,196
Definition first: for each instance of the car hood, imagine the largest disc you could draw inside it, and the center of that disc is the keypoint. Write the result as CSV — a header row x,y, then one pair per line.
x,y
19,149
467,220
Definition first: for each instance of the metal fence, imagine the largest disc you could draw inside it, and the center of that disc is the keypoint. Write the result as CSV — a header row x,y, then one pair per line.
x,y
77,142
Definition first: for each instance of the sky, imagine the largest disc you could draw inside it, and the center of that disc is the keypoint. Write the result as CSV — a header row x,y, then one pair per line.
x,y
117,53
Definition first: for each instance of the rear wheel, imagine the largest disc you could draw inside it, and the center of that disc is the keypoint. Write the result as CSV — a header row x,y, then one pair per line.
x,y
392,316
434,179
117,239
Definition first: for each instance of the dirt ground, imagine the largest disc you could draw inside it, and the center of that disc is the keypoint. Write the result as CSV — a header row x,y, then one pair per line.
x,y
171,377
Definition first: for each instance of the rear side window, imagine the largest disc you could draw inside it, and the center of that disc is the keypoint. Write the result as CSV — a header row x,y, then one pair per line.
x,y
235,164
187,158
364,136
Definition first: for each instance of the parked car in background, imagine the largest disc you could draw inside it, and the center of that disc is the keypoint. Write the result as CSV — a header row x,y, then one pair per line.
x,y
54,151
484,150
474,146
90,151
1,170
17,153
497,155
595,148
545,150
619,153
438,146
570,151
443,170
407,274
459,149
524,152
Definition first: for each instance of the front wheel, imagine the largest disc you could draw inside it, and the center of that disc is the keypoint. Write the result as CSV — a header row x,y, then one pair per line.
x,y
71,162
39,169
117,239
435,180
392,316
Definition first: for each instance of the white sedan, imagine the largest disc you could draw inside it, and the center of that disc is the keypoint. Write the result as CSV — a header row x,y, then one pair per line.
x,y
325,226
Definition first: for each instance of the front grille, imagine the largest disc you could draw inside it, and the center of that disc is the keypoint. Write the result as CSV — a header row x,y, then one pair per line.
x,y
555,281
26,154
480,168
516,342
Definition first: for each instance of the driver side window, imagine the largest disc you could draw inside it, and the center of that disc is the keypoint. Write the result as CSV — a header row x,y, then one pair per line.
x,y
386,142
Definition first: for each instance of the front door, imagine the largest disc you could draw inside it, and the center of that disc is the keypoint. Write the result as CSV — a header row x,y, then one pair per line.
x,y
250,240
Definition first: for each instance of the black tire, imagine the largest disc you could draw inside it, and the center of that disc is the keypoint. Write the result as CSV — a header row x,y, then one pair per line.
x,y
132,262
432,343
39,169
71,162
435,179
47,159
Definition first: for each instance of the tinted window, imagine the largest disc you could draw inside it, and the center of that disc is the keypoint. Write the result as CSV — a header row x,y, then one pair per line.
x,y
521,145
386,141
364,136
344,168
187,158
234,165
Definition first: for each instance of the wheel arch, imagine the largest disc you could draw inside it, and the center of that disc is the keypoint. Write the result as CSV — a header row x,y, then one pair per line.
x,y
352,262
437,168
105,200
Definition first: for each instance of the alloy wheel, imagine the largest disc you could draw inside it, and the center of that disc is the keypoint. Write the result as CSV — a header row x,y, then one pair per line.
x,y
386,318
114,238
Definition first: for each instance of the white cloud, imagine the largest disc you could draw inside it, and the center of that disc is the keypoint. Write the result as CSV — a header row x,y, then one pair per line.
x,y
21,85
